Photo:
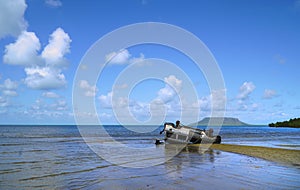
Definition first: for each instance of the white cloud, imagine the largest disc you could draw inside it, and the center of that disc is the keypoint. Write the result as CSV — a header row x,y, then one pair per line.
x,y
269,94
58,46
121,86
9,93
50,76
44,78
165,94
40,109
53,3
23,51
138,60
218,99
255,106
122,105
169,92
279,114
105,117
42,71
3,102
174,82
10,85
12,20
9,88
89,90
60,105
245,90
121,57
203,103
166,100
124,57
50,95
105,100
242,106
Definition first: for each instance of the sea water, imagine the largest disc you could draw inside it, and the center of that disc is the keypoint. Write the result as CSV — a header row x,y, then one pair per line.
x,y
288,138
57,157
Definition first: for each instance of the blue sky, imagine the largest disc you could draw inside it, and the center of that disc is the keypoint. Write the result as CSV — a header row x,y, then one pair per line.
x,y
255,43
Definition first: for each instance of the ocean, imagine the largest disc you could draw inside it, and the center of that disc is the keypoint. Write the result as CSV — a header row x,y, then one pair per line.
x,y
58,157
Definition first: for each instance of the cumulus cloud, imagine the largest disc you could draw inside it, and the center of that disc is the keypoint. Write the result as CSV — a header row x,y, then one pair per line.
x,y
89,90
174,82
24,51
105,100
44,78
203,103
12,20
41,109
3,102
269,94
123,57
9,87
50,95
9,93
166,98
218,99
245,90
172,87
53,3
60,105
121,86
139,61
58,46
215,100
43,72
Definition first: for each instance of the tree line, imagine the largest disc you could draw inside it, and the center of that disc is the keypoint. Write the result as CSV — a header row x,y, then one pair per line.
x,y
290,123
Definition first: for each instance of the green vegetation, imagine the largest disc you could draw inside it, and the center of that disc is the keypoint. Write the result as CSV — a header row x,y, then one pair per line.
x,y
295,123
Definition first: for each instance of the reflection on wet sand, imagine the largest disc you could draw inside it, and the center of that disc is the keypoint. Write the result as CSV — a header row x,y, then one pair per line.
x,y
196,166
187,156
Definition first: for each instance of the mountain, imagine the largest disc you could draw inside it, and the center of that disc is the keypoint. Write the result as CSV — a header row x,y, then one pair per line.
x,y
228,121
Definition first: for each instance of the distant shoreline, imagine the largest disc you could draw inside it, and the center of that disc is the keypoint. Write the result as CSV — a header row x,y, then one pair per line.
x,y
292,123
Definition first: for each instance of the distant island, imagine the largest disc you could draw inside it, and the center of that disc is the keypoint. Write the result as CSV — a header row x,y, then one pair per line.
x,y
227,121
294,123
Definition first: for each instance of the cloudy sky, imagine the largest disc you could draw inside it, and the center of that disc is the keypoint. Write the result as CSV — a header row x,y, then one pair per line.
x,y
255,43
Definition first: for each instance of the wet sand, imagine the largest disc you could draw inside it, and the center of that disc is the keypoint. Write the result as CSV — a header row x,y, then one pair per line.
x,y
285,156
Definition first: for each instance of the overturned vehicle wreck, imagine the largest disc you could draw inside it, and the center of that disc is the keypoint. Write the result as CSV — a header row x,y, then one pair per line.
x,y
189,135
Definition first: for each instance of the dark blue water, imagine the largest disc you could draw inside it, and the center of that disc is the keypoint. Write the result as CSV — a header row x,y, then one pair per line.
x,y
57,157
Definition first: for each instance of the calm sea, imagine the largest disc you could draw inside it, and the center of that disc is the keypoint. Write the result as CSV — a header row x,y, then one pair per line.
x,y
57,157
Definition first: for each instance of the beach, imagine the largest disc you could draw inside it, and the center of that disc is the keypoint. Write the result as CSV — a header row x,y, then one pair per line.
x,y
284,156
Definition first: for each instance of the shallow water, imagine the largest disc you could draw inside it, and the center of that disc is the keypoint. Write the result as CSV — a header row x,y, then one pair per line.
x,y
288,138
48,157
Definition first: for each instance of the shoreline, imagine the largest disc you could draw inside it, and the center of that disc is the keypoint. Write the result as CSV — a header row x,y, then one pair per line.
x,y
284,156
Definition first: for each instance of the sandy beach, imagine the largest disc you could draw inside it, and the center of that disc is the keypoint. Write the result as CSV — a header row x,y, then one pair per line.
x,y
284,156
